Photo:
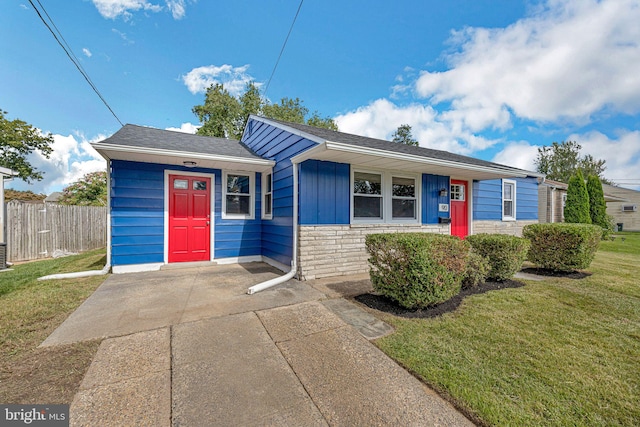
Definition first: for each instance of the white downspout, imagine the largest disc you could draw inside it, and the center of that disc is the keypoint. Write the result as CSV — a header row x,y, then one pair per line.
x,y
294,264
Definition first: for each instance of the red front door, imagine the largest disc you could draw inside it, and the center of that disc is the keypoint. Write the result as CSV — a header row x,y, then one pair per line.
x,y
189,218
459,209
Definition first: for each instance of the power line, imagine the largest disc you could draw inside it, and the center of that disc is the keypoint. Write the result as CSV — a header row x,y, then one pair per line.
x,y
72,57
282,50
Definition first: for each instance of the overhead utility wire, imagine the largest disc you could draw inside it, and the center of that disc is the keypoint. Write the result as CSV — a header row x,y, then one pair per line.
x,y
282,50
71,56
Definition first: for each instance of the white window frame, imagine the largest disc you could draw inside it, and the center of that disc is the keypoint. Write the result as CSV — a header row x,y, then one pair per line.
x,y
267,178
387,197
513,200
252,195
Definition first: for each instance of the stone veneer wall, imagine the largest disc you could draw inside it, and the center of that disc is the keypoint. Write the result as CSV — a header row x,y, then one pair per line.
x,y
501,227
338,250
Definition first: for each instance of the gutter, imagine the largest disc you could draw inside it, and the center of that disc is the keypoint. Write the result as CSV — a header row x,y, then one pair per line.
x,y
294,258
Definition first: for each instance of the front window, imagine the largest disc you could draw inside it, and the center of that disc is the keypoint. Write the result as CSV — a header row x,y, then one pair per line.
x,y
384,197
238,196
404,198
457,192
367,195
508,200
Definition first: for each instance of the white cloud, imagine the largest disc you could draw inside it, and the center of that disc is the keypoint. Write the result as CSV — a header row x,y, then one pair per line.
x,y
87,52
111,9
519,155
185,128
233,78
123,36
177,8
567,61
382,117
71,159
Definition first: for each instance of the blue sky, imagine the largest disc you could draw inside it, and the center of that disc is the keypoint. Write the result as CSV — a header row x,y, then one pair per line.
x,y
492,79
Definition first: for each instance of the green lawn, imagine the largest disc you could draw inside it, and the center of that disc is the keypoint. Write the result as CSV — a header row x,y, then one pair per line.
x,y
557,352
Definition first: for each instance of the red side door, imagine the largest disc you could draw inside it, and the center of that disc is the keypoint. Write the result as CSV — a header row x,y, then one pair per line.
x,y
189,218
459,209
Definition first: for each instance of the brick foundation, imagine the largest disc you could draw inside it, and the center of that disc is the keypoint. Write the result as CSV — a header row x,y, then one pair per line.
x,y
513,228
338,250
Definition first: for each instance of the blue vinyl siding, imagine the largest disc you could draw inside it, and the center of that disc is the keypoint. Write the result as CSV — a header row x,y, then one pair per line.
x,y
324,193
276,144
487,199
137,213
431,186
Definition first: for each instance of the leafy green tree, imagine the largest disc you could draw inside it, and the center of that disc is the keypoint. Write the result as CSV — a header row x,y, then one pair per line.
x,y
403,135
90,190
18,139
576,209
561,160
597,205
224,116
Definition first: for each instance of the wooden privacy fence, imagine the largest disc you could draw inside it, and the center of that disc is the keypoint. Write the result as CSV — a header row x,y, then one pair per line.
x,y
39,230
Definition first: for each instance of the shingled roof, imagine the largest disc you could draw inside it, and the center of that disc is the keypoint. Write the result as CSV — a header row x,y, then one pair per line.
x,y
158,139
380,144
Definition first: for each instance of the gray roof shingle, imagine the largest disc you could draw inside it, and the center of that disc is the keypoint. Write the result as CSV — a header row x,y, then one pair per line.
x,y
158,139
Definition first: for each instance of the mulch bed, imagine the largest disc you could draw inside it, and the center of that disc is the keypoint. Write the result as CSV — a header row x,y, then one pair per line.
x,y
552,273
386,305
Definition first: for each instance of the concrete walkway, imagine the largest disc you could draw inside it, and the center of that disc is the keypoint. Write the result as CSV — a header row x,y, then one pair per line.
x,y
295,355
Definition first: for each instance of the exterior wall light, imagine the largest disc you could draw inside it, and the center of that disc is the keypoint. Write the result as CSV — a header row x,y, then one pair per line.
x,y
443,192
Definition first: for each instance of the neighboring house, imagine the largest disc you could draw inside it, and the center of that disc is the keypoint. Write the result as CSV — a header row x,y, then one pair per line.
x,y
53,198
626,209
290,189
552,196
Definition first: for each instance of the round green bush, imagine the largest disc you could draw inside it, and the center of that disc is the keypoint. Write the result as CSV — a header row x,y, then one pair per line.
x,y
505,253
417,270
562,246
476,271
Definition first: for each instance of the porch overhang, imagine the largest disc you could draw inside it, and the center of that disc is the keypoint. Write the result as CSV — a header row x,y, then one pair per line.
x,y
182,158
390,160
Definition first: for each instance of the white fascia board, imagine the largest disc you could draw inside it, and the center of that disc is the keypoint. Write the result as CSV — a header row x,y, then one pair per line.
x,y
189,155
7,172
348,148
289,129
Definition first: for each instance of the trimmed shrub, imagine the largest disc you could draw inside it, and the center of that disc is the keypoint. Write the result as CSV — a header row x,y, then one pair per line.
x,y
576,208
597,205
561,246
476,271
417,270
505,253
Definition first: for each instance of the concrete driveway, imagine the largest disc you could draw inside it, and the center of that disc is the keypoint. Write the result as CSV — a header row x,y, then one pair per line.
x,y
188,347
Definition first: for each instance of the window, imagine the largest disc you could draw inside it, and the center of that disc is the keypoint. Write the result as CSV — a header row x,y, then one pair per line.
x,y
238,196
508,200
267,195
384,197
404,198
457,192
367,195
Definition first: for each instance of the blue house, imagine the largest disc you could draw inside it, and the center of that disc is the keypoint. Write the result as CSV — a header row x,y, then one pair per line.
x,y
294,195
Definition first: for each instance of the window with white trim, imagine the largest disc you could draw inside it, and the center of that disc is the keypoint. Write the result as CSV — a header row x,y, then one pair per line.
x,y
384,197
238,192
267,195
508,200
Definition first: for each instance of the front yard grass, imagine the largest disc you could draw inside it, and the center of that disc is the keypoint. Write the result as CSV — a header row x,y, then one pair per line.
x,y
29,312
556,352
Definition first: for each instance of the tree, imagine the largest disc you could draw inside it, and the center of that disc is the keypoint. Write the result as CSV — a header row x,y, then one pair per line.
x,y
10,194
403,135
597,205
224,116
90,190
576,209
18,139
561,160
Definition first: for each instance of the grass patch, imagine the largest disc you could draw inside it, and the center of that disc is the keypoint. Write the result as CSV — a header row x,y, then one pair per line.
x,y
557,352
29,311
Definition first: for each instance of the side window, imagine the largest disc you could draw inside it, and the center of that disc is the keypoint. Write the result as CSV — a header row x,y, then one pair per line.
x,y
367,195
508,199
267,195
403,198
238,189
